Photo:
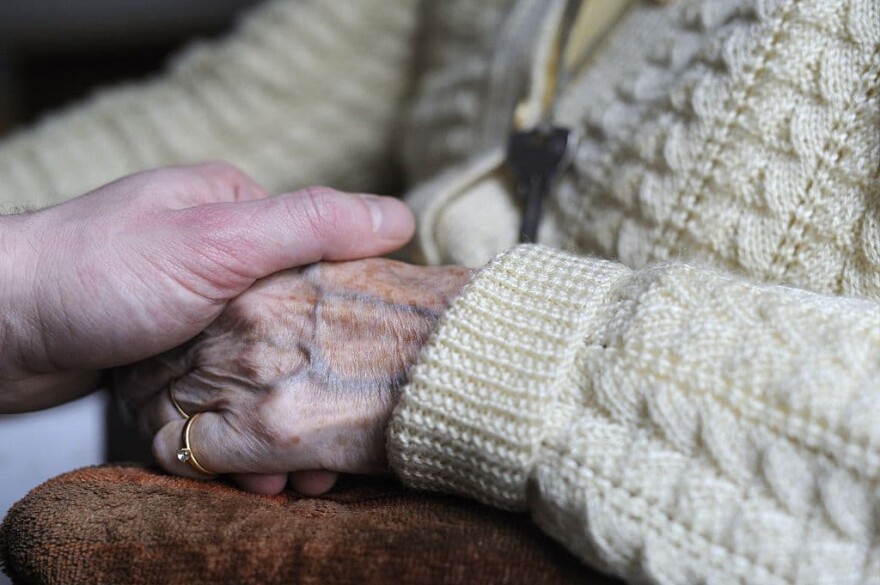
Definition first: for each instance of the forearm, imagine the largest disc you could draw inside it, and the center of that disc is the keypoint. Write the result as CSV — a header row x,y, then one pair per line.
x,y
670,422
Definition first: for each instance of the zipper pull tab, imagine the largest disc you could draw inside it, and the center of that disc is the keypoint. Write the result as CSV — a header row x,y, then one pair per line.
x,y
536,158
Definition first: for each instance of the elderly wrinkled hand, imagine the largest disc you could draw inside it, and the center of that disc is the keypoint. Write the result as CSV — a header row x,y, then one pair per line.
x,y
299,373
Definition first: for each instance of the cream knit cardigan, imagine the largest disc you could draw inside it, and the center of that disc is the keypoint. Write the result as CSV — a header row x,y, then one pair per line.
x,y
704,410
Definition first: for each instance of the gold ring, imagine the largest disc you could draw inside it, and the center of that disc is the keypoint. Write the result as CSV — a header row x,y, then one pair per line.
x,y
174,401
186,454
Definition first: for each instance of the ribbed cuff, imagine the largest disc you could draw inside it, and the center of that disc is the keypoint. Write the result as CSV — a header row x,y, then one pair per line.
x,y
474,415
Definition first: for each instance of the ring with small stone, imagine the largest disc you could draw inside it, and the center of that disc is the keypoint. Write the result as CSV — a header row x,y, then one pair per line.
x,y
174,401
186,454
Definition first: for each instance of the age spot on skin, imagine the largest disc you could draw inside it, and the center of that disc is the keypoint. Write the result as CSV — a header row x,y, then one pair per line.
x,y
312,361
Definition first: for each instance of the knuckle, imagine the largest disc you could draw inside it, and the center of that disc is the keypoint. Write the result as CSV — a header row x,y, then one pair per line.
x,y
220,169
173,175
270,427
138,180
320,210
240,353
252,441
146,185
248,313
228,176
254,362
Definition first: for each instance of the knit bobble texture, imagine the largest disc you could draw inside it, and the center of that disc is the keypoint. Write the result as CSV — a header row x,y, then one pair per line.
x,y
672,424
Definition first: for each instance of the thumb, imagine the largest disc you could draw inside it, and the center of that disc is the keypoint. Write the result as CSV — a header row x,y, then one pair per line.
x,y
254,239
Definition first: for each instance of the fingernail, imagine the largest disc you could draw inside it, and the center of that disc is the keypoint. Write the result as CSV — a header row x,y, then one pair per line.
x,y
392,219
375,206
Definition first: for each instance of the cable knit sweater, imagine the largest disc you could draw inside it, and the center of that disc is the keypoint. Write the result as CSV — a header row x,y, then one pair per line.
x,y
704,410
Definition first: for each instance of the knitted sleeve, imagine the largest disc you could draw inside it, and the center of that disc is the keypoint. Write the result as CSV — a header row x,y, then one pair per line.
x,y
669,425
303,92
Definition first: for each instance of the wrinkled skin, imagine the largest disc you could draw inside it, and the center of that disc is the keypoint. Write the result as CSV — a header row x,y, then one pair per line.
x,y
145,263
299,373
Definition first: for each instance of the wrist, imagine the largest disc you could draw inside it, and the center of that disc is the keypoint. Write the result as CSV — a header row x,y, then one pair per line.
x,y
448,286
459,277
14,298
22,389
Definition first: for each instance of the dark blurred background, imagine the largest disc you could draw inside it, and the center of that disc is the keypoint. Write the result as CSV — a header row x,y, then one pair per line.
x,y
53,52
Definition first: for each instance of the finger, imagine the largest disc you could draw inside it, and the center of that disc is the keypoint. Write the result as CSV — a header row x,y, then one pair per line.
x,y
197,391
266,484
313,483
192,393
258,238
220,447
207,441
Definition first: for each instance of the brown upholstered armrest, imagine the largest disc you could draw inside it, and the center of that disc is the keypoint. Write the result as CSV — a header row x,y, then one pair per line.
x,y
120,524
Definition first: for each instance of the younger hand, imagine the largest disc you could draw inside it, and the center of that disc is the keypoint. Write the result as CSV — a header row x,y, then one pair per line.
x,y
145,263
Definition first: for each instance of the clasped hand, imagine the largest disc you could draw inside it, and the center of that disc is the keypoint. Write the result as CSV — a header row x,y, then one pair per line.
x,y
295,368
298,374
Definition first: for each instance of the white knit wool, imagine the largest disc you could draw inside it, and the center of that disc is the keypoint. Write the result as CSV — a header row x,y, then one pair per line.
x,y
695,428
734,133
745,136
298,95
672,423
